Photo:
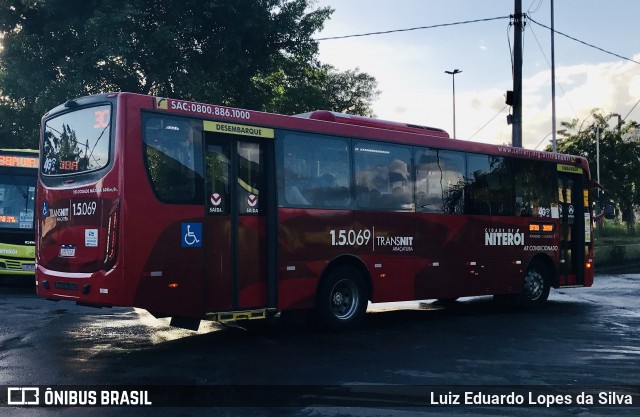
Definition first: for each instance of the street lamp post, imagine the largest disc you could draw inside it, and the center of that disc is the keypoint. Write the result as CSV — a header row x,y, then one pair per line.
x,y
453,77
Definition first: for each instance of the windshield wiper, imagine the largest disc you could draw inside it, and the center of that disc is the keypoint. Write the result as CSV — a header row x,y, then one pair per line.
x,y
15,182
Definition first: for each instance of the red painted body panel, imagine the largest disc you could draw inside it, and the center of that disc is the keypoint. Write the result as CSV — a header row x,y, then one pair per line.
x,y
442,256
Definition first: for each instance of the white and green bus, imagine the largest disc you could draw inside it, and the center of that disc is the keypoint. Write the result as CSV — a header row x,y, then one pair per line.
x,y
18,174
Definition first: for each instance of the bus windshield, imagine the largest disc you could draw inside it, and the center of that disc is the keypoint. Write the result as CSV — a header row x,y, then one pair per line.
x,y
17,199
77,141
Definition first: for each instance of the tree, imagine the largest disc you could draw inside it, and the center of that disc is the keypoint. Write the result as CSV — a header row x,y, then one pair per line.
x,y
220,51
318,86
619,158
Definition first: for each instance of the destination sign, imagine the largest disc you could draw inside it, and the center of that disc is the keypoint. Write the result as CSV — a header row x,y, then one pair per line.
x,y
18,161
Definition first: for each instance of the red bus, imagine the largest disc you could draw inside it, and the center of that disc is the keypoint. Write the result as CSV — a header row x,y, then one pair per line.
x,y
196,211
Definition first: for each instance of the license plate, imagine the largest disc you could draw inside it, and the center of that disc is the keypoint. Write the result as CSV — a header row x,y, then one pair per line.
x,y
68,251
28,267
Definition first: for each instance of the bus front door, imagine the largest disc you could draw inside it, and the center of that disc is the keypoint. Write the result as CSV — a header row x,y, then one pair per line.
x,y
240,203
572,223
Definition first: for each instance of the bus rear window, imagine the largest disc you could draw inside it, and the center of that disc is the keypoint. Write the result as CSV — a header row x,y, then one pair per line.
x,y
77,141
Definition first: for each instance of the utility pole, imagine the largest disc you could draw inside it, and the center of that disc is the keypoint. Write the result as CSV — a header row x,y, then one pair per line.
x,y
516,136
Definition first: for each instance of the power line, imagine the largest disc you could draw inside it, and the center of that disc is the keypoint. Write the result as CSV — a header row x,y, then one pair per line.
x,y
490,120
583,42
529,11
510,48
634,106
410,29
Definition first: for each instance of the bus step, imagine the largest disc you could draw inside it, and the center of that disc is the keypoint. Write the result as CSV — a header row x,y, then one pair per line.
x,y
238,315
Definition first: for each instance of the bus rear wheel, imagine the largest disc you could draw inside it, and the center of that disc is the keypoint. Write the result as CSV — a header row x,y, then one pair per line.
x,y
536,285
342,300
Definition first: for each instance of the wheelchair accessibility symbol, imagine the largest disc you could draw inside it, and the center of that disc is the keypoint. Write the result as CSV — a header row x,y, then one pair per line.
x,y
191,235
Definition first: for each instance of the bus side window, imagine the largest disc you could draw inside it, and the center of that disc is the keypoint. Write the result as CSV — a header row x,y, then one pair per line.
x,y
428,184
533,196
314,172
384,179
170,159
478,199
439,181
489,186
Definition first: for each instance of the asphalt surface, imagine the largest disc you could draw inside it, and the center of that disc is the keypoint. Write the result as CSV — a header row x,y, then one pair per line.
x,y
583,340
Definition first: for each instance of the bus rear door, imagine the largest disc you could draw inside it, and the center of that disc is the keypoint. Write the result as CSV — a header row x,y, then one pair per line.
x,y
240,221
572,225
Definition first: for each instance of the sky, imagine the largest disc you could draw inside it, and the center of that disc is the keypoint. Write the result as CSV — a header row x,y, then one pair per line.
x,y
410,66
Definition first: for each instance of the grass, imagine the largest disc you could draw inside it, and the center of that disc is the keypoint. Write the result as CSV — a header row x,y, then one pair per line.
x,y
616,243
616,233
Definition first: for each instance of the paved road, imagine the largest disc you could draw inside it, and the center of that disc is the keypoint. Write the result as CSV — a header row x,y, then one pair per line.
x,y
587,338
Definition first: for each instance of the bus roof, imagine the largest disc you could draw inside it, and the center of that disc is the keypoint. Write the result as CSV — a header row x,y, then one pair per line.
x,y
332,116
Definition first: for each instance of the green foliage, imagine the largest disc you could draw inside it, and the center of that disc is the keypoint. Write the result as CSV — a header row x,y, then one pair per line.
x,y
619,158
316,86
618,230
256,54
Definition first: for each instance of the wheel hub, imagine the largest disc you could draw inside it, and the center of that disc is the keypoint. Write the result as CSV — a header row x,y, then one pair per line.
x,y
344,299
534,284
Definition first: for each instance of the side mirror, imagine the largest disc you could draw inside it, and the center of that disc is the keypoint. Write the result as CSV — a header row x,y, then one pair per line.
x,y
610,211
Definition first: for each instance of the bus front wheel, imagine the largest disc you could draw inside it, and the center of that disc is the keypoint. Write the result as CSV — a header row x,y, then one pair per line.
x,y
536,285
342,300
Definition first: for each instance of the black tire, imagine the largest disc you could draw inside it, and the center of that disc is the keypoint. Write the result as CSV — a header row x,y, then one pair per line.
x,y
537,284
342,299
